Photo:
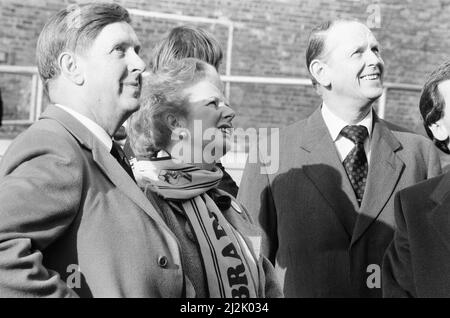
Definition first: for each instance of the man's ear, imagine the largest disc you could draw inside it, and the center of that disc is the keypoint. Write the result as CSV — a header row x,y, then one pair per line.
x,y
69,67
319,70
439,131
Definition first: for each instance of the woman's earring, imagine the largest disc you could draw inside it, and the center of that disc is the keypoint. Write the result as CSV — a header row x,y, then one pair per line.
x,y
182,135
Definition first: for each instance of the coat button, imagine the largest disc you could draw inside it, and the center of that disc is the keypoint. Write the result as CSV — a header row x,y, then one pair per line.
x,y
162,261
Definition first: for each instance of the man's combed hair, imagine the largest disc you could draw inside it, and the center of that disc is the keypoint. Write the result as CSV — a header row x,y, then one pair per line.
x,y
184,42
74,29
316,42
148,131
432,104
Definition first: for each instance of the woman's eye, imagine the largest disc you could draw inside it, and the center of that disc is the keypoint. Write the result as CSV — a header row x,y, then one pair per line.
x,y
119,49
213,104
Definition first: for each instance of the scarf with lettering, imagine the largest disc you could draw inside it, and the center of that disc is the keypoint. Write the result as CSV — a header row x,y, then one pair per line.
x,y
230,267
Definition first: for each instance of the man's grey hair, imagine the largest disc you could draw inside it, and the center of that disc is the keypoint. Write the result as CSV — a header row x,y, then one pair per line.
x,y
73,29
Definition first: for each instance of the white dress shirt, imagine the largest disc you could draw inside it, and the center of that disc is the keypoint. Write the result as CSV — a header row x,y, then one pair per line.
x,y
335,125
92,126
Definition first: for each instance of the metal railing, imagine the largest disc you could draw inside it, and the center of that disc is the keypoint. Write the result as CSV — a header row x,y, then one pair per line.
x,y
307,82
37,87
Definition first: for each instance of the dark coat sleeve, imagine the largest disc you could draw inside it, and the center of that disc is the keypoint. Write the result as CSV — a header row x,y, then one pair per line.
x,y
397,272
255,195
40,189
434,162
272,286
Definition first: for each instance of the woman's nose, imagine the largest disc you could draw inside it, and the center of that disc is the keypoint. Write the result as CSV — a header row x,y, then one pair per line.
x,y
228,113
135,62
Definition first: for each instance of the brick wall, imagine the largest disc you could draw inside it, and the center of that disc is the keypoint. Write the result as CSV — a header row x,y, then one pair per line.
x,y
269,40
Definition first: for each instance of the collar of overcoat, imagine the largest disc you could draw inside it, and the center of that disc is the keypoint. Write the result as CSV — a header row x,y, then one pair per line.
x,y
105,162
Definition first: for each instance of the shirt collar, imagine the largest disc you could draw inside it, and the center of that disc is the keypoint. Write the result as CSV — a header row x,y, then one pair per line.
x,y
92,126
335,124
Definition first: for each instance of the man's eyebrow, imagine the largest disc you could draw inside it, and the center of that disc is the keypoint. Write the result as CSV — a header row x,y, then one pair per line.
x,y
127,42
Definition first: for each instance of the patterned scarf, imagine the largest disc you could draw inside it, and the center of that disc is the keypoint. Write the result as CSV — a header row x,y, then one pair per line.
x,y
230,267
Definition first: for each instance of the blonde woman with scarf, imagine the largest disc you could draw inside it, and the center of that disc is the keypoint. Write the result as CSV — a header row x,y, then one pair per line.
x,y
183,104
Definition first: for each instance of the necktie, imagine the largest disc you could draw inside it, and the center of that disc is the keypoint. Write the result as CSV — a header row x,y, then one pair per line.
x,y
117,152
355,163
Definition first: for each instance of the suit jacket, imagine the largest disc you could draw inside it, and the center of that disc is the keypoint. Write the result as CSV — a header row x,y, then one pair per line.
x,y
321,242
417,262
73,223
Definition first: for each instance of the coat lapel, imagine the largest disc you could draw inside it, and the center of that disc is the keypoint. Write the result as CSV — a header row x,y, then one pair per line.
x,y
384,172
110,167
324,168
122,180
440,215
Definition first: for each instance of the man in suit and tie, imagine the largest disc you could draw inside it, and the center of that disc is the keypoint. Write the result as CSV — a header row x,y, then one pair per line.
x,y
73,221
417,262
327,213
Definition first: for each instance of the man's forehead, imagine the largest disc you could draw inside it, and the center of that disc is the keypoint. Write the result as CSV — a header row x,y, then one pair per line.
x,y
118,32
349,34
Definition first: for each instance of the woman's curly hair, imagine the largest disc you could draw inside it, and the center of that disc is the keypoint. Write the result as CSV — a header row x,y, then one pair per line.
x,y
162,94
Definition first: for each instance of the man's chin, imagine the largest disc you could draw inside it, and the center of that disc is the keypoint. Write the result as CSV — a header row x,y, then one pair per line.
x,y
373,95
132,105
